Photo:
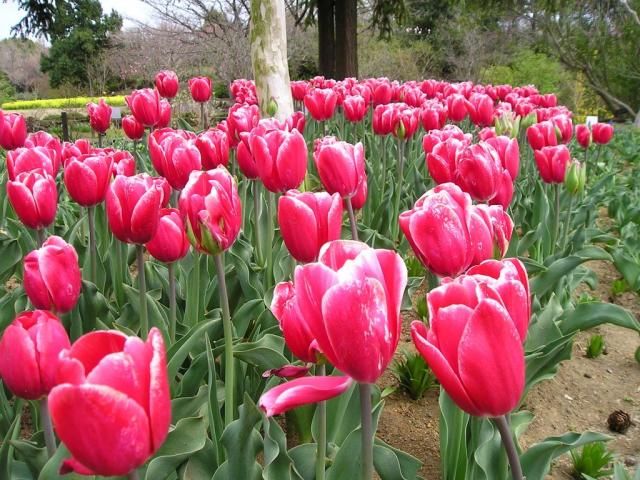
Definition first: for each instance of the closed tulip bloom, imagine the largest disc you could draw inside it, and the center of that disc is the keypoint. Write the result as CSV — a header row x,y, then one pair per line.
x,y
52,278
13,131
214,148
321,103
280,156
167,83
406,122
359,200
132,206
132,128
29,351
442,160
145,106
34,197
46,140
99,116
112,407
211,206
302,391
552,163
79,147
583,135
123,163
490,228
480,108
509,151
87,178
433,115
241,118
457,107
384,119
200,88
296,120
381,91
478,324
354,108
542,135
434,137
170,242
504,194
173,156
24,160
246,161
307,221
602,133
164,119
479,171
564,126
341,166
299,89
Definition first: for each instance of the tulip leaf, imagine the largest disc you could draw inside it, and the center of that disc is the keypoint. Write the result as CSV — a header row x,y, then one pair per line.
x,y
589,315
199,466
179,351
6,449
278,465
264,354
190,406
487,458
52,467
536,461
303,457
543,327
11,257
34,456
453,439
184,440
392,464
247,314
543,362
216,396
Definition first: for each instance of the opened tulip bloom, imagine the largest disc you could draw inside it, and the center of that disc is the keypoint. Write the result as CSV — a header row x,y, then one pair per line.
x,y
29,351
111,407
87,178
145,106
167,83
99,116
34,198
23,160
13,131
123,163
200,88
241,119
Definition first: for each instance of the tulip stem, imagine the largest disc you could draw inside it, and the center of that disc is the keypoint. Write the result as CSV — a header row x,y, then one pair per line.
x,y
271,212
171,273
256,221
47,427
398,192
40,236
203,117
567,225
509,446
321,452
352,219
144,320
384,167
100,135
133,475
229,384
93,253
556,187
367,431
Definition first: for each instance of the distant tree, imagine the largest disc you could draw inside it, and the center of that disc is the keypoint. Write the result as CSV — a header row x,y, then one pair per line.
x,y
20,61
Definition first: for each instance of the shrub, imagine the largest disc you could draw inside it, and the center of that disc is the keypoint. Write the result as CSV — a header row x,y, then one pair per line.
x,y
413,374
75,102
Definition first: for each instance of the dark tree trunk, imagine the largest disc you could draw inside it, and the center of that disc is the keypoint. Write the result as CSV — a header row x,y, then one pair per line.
x,y
346,39
327,37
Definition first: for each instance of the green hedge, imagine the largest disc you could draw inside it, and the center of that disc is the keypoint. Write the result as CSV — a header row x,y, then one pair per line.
x,y
76,102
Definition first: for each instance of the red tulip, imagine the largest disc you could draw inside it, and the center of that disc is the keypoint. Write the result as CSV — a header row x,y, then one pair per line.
x,y
13,131
34,197
145,106
280,156
381,91
46,140
297,333
79,147
480,108
431,139
552,163
509,152
52,277
321,103
87,178
132,128
112,407
433,115
167,83
308,221
170,242
340,165
212,208
24,160
214,148
479,171
542,135
564,126
354,108
478,323
244,91
405,121
299,90
241,118
504,194
490,229
99,116
123,163
173,156
29,351
442,160
583,135
302,391
602,133
133,205
200,88
457,107
384,119
164,119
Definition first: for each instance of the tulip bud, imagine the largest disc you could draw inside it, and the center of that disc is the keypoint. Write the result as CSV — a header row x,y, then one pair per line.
x,y
272,107
170,242
132,128
13,131
34,197
341,166
575,178
167,83
145,106
99,116
200,88
602,133
87,178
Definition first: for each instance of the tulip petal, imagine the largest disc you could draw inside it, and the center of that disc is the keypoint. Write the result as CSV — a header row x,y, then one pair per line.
x,y
18,365
302,391
159,397
145,215
90,348
61,274
52,338
335,254
298,226
446,331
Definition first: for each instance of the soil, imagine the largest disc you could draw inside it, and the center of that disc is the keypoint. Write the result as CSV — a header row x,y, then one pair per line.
x,y
579,398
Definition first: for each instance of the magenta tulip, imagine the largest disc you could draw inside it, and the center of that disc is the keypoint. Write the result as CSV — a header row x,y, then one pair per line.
x,y
24,160
542,135
200,88
479,171
170,242
167,83
297,333
87,178
164,119
442,160
354,108
321,103
433,115
13,131
552,163
214,148
132,128
46,140
34,197
174,155
29,351
509,152
145,106
457,107
241,119
299,90
123,163
480,108
602,133
99,116
341,166
583,135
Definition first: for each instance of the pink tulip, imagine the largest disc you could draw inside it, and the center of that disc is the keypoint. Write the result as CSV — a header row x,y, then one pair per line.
x,y
359,200
87,178
244,91
297,333
212,209
564,126
200,88
13,131
164,119
583,135
34,197
307,221
433,115
112,407
170,242
299,90
478,324
214,148
174,155
123,163
167,83
302,391
99,116
354,108
509,152
442,160
132,128
478,171
24,160
46,140
246,161
287,371
75,149
602,133
340,165
457,107
297,120
29,351
552,163
241,118
381,91
405,121
145,106
480,108
504,194
321,103
52,278
542,135
431,139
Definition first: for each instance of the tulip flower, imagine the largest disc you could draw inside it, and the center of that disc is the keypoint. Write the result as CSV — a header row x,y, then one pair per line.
x,y
433,115
552,163
297,120
478,171
145,106
354,108
170,243
87,178
29,351
173,156
405,122
504,194
509,153
46,140
13,131
297,333
299,90
381,91
308,221
112,407
123,163
241,118
481,110
431,139
280,156
542,135
24,160
457,107
79,147
34,197
564,127
321,103
478,324
384,119
99,116
602,133
244,91
442,160
52,278
360,198
167,83
583,135
246,161
340,165
200,88
214,148
132,128
164,119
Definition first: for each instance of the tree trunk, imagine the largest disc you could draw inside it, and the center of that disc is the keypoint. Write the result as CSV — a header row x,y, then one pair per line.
x,y
346,39
269,58
636,122
327,37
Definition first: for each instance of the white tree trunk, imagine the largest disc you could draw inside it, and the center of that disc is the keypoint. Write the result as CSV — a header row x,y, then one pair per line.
x,y
269,58
636,121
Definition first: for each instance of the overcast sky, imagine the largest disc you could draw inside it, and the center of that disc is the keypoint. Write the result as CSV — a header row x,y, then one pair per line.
x,y
131,10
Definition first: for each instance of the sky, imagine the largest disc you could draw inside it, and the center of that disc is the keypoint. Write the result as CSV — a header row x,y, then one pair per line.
x,y
131,10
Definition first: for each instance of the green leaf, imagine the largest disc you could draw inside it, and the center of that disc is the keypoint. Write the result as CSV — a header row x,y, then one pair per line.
x,y
264,354
278,465
392,464
589,315
453,442
6,449
179,351
52,467
199,466
34,456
